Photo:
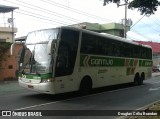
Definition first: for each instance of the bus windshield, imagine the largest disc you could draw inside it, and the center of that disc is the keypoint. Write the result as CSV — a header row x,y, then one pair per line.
x,y
36,60
34,55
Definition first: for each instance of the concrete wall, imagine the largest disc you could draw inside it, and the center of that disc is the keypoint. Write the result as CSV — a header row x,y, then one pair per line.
x,y
111,28
6,33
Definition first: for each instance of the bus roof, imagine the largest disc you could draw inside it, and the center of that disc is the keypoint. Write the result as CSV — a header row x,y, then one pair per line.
x,y
106,35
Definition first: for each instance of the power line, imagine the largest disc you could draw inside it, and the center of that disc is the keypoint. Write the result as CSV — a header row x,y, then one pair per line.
x,y
75,10
38,16
150,27
137,22
142,35
154,21
46,11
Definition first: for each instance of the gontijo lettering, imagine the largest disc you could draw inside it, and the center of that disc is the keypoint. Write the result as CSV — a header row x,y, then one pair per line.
x,y
102,62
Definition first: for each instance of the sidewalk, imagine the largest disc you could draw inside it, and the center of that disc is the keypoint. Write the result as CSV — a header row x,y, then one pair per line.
x,y
11,87
155,74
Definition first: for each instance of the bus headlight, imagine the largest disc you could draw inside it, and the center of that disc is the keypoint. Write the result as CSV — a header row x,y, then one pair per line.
x,y
46,80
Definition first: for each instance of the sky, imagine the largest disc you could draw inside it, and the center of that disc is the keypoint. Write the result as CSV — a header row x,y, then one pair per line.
x,y
41,14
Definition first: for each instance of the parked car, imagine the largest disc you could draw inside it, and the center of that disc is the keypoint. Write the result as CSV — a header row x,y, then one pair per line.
x,y
156,68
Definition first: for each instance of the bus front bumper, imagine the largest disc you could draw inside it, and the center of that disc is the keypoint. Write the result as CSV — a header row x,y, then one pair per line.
x,y
47,87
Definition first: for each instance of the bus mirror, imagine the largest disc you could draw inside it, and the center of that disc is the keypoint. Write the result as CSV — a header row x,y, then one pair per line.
x,y
51,46
12,49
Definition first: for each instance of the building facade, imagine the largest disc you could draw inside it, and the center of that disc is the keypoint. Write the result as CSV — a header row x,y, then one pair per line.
x,y
7,27
8,63
110,28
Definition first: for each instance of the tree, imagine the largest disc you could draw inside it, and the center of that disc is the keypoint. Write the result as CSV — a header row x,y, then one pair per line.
x,y
146,7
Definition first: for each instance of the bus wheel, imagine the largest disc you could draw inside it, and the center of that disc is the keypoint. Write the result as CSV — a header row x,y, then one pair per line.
x,y
138,80
85,86
143,76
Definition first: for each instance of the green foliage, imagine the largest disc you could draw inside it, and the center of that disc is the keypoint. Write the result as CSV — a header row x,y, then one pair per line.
x,y
109,1
146,7
3,48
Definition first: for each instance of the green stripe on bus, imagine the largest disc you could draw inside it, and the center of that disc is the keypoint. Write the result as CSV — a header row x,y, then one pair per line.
x,y
145,63
88,60
36,76
100,61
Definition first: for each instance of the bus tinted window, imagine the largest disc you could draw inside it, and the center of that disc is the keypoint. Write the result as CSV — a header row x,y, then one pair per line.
x,y
98,45
67,52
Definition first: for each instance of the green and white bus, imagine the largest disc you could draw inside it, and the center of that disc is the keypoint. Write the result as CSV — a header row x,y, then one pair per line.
x,y
69,59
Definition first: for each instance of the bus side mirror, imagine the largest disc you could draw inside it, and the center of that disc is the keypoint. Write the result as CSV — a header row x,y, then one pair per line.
x,y
51,47
12,49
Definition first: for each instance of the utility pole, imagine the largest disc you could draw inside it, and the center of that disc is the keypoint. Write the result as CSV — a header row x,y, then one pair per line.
x,y
12,26
125,17
125,23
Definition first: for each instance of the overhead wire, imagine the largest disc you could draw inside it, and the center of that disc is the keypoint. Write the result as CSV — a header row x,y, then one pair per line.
x,y
46,11
158,24
137,22
60,15
75,10
37,19
38,16
150,27
142,35
156,19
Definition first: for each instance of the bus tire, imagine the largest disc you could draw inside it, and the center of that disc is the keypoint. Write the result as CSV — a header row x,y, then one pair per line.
x,y
138,80
143,76
85,85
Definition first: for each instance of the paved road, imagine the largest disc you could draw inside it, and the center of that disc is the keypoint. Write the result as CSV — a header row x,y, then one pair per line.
x,y
13,97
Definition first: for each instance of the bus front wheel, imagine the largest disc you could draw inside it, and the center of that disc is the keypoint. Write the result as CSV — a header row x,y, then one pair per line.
x,y
85,86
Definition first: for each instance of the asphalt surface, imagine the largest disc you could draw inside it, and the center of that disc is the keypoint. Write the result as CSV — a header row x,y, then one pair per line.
x,y
124,97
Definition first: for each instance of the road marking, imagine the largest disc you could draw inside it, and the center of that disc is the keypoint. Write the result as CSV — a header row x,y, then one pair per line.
x,y
23,108
156,82
154,89
43,104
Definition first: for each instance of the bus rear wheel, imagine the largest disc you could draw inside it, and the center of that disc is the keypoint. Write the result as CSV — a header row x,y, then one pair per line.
x,y
85,86
138,80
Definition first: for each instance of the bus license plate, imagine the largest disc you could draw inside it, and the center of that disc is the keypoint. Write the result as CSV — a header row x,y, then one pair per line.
x,y
29,86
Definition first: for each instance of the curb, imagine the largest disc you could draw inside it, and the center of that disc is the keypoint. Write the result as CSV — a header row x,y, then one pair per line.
x,y
156,74
8,82
144,108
